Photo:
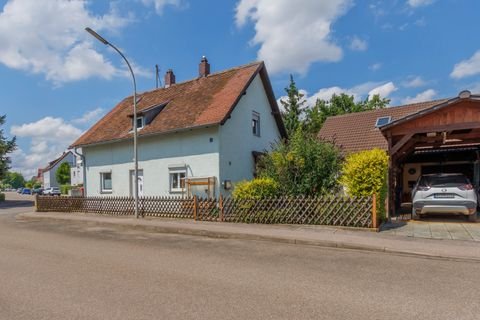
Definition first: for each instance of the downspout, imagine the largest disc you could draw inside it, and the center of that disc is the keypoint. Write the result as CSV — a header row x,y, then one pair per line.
x,y
84,170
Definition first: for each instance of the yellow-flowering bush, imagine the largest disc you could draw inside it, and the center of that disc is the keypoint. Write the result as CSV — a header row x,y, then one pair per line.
x,y
257,188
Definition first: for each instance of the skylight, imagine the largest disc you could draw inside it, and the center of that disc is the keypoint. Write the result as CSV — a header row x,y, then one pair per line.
x,y
382,121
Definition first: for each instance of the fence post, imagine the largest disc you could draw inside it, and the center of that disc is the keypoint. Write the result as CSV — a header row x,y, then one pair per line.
x,y
36,202
195,207
374,210
220,206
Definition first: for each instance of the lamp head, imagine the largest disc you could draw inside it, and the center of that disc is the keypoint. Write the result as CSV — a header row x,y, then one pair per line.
x,y
96,35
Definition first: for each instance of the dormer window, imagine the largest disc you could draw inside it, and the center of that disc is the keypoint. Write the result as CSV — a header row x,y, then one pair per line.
x,y
382,121
140,122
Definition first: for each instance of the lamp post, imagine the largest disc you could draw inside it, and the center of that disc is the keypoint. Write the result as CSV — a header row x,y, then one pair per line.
x,y
135,148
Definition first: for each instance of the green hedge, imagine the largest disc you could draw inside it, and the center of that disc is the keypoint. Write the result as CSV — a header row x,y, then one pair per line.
x,y
2,197
257,188
64,188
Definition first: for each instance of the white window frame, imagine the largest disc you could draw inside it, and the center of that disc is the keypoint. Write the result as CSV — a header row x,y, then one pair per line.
x,y
171,173
102,181
141,118
256,119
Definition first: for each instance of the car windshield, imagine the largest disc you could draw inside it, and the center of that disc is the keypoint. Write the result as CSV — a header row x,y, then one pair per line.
x,y
443,181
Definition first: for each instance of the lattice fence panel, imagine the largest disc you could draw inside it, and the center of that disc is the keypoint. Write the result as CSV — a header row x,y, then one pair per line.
x,y
325,210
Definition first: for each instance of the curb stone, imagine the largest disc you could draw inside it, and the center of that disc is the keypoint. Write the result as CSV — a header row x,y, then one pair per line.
x,y
250,236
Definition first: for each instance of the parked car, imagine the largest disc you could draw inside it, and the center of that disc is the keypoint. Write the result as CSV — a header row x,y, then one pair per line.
x,y
444,194
26,191
37,191
52,191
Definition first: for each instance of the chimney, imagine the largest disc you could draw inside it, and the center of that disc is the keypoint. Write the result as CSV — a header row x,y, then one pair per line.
x,y
169,78
203,67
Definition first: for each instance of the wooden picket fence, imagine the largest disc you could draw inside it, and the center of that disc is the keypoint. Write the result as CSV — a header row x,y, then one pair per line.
x,y
322,210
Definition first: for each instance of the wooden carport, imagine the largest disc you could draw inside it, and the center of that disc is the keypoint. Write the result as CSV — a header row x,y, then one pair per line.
x,y
454,123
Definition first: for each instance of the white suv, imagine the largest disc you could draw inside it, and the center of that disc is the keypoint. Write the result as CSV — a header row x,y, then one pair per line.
x,y
52,191
450,193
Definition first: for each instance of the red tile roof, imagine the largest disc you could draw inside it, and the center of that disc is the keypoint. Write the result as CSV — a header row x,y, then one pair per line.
x,y
191,104
356,131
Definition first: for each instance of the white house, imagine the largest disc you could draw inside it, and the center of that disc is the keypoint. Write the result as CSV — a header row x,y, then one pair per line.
x,y
49,173
195,137
76,171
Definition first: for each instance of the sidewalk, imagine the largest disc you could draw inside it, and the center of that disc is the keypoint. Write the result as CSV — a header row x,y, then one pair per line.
x,y
293,234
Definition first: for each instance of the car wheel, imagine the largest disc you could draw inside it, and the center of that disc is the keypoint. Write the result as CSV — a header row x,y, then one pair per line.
x,y
415,216
472,217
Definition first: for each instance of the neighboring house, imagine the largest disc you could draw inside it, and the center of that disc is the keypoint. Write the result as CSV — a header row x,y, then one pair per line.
x,y
49,173
421,138
195,137
76,171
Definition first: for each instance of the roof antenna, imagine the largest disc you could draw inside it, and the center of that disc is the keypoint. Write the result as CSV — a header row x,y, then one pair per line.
x,y
158,82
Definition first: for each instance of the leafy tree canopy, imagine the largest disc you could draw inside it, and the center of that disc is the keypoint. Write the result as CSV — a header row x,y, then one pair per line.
x,y
14,179
63,173
6,147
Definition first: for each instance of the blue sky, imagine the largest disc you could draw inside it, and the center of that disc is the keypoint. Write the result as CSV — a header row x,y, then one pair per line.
x,y
57,80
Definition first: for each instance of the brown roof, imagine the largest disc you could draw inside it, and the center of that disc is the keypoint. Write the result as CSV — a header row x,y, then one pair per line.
x,y
356,131
192,104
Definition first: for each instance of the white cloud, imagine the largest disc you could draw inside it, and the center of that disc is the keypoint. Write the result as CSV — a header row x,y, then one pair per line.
x,y
422,96
358,44
161,4
383,90
293,36
467,67
48,37
359,92
90,117
419,3
414,82
375,66
49,137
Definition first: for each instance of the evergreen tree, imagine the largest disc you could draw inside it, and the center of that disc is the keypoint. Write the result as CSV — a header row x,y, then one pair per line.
x,y
6,147
293,108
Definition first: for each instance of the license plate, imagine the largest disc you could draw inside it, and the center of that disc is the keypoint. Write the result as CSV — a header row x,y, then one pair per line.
x,y
444,196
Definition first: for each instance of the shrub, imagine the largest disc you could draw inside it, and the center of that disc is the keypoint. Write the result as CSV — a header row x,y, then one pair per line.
x,y
364,174
303,165
2,197
64,188
256,189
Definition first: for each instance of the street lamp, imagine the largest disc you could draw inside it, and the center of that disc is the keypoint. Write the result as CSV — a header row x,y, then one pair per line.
x,y
135,148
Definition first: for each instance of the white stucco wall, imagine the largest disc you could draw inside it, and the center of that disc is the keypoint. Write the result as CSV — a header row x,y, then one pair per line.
x,y
196,149
237,140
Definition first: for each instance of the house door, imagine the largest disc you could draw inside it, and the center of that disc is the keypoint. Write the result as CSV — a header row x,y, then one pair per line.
x,y
140,183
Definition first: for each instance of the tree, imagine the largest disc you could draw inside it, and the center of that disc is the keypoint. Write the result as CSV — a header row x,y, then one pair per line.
x,y
63,173
14,179
302,166
6,147
338,105
293,108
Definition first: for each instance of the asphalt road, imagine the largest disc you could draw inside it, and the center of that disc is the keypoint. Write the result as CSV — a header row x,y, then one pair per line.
x,y
53,270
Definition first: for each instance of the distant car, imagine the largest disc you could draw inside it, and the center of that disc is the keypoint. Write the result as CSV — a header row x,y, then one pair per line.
x,y
52,191
37,191
19,190
26,191
444,193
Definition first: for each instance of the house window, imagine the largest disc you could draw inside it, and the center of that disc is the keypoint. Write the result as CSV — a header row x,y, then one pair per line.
x,y
256,124
177,180
382,121
140,122
106,181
